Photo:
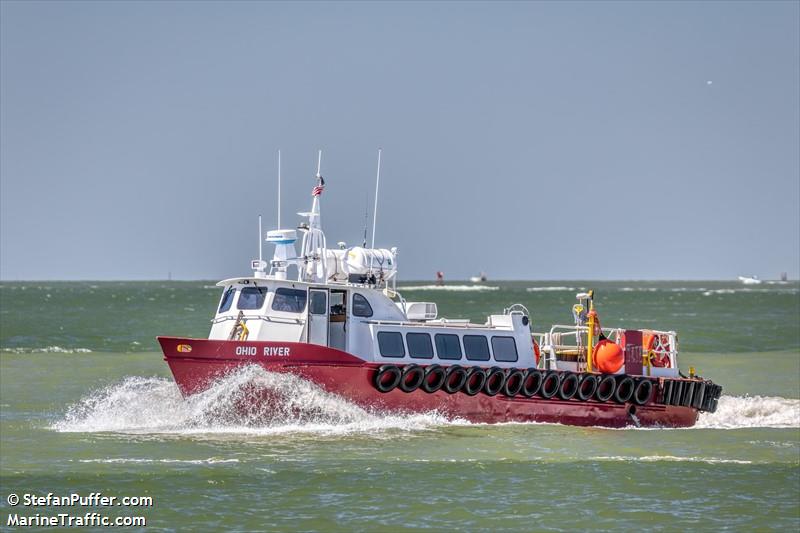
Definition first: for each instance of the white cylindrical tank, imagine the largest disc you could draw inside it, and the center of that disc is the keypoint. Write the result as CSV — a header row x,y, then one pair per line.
x,y
379,261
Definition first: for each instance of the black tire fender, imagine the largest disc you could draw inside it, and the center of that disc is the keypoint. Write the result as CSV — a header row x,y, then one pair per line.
x,y
569,386
495,381
532,382
606,387
550,385
434,378
386,378
413,376
625,389
514,381
453,385
587,387
476,378
643,392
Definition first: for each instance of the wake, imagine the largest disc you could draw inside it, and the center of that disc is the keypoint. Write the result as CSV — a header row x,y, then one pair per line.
x,y
739,412
233,404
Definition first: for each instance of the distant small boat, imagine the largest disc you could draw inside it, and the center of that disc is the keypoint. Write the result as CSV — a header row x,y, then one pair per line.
x,y
478,279
750,280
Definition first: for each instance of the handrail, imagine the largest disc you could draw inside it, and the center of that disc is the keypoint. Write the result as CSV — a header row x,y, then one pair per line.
x,y
430,324
279,320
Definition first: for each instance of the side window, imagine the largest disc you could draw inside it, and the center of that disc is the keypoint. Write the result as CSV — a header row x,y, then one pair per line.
x,y
361,306
390,344
227,299
476,347
419,345
504,348
447,346
252,298
289,300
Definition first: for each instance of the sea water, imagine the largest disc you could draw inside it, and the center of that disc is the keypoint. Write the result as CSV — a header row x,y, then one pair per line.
x,y
87,405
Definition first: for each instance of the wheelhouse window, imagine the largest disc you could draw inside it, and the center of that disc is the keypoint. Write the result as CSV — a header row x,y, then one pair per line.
x,y
289,300
227,299
419,345
390,344
447,346
252,298
361,307
504,348
476,347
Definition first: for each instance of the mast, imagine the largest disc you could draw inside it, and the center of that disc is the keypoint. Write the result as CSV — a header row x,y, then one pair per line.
x,y
375,211
315,249
279,189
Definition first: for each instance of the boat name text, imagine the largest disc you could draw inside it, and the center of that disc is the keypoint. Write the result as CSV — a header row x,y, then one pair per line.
x,y
269,351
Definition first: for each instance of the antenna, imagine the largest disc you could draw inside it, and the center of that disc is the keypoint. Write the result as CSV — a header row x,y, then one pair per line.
x,y
260,240
375,211
366,215
319,164
279,189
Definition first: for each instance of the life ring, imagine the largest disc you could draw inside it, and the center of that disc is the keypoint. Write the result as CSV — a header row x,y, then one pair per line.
x,y
606,388
536,352
657,347
514,382
432,384
495,380
387,378
413,376
532,382
453,385
643,392
568,387
550,385
587,387
475,381
625,389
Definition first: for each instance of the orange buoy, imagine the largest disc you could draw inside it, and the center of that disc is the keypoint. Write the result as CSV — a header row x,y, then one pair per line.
x,y
536,352
608,357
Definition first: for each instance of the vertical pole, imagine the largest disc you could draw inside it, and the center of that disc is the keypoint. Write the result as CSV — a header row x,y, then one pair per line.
x,y
375,210
279,189
590,335
260,258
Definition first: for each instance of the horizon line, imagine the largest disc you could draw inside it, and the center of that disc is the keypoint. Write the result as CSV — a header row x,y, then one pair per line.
x,y
467,280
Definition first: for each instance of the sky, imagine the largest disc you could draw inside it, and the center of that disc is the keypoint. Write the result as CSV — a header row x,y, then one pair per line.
x,y
538,140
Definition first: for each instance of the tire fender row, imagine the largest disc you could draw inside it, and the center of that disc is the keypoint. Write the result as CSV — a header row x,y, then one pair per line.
x,y
702,395
516,382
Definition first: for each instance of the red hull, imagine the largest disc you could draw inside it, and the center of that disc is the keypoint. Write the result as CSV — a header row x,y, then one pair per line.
x,y
195,363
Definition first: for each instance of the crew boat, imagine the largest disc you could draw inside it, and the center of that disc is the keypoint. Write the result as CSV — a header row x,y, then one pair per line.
x,y
334,316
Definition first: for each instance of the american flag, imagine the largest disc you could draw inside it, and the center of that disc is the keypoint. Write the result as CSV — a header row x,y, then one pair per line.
x,y
316,191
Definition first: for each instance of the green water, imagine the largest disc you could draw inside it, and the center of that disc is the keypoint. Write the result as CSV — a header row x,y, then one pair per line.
x,y
88,405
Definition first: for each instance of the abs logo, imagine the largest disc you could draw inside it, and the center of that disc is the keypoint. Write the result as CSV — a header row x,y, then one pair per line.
x,y
184,348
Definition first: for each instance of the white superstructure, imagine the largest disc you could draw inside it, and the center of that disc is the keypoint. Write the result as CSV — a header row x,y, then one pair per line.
x,y
346,298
